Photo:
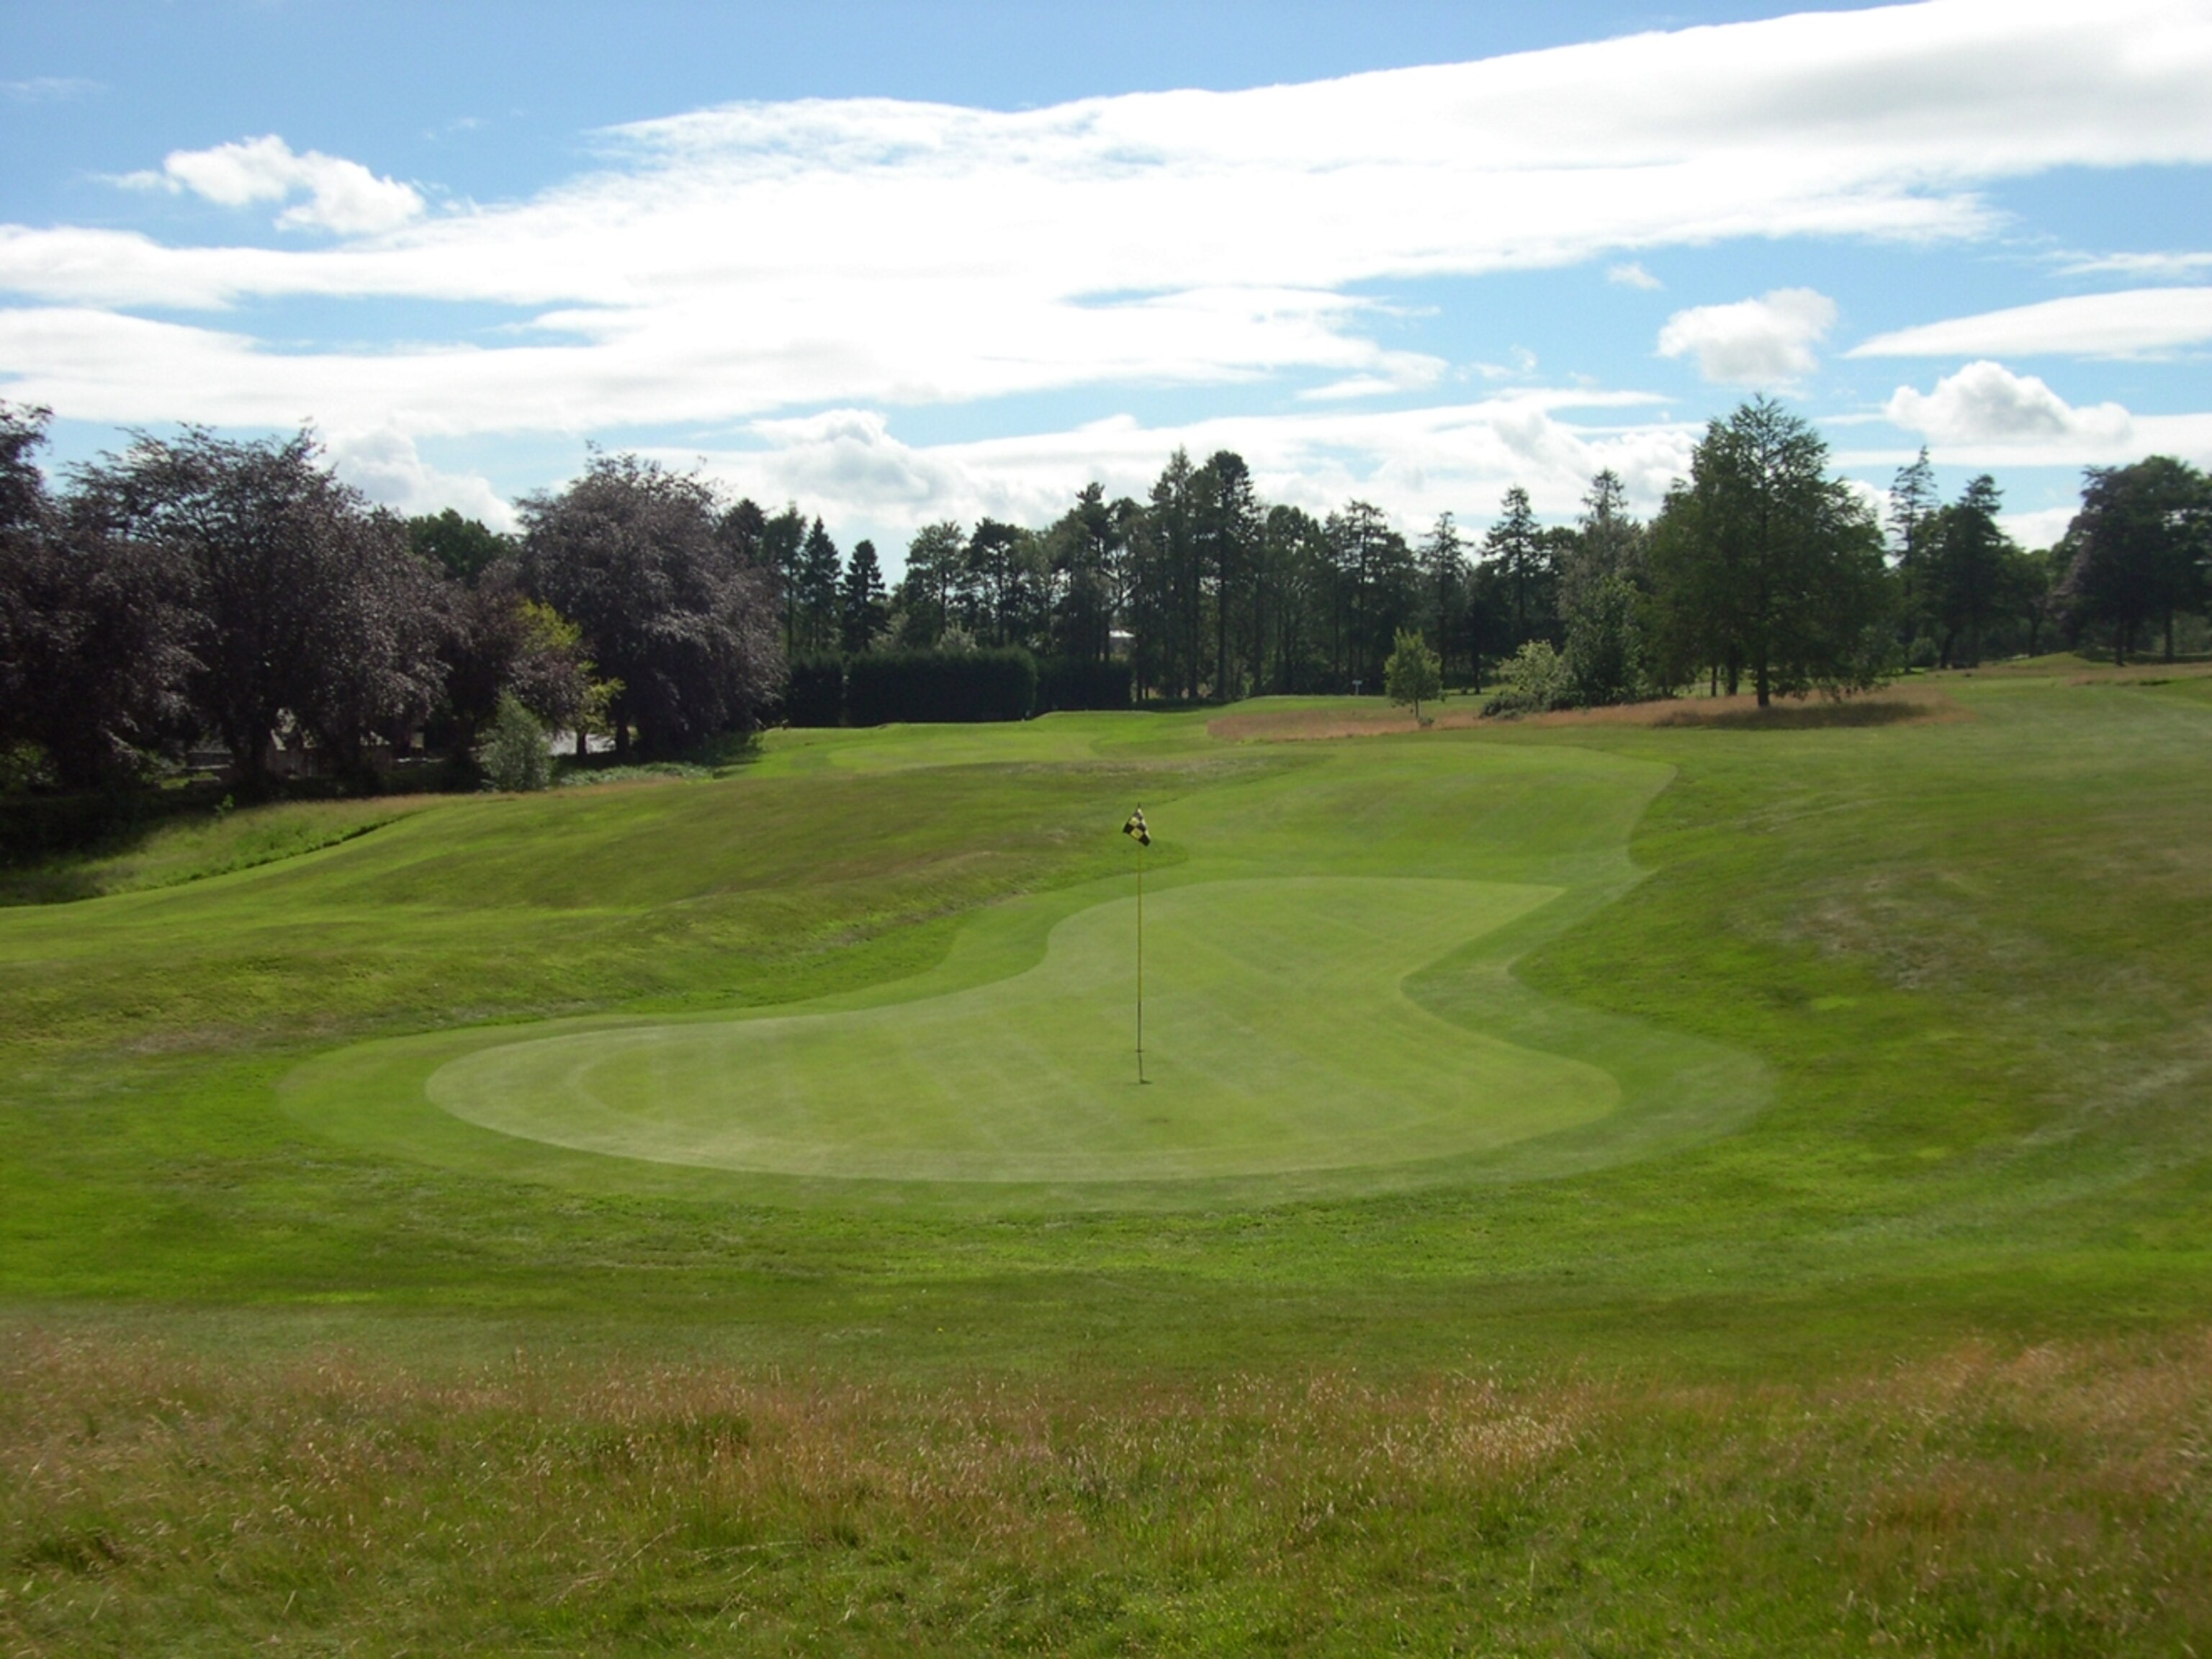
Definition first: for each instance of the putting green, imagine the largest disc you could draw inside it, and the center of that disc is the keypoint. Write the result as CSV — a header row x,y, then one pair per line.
x,y
1278,1039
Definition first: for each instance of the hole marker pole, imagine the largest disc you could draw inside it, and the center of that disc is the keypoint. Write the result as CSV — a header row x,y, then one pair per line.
x,y
1140,961
1136,831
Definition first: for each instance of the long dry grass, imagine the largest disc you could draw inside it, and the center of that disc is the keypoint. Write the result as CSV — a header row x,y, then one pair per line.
x,y
1892,706
2051,1499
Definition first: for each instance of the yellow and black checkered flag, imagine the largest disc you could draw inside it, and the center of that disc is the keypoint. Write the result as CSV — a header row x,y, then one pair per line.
x,y
1135,827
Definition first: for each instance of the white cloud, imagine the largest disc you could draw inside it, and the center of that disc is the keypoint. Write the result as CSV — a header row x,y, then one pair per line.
x,y
342,195
2132,322
1986,404
2040,528
1398,372
385,465
50,89
1632,274
1766,342
2188,436
743,260
849,466
2151,267
766,256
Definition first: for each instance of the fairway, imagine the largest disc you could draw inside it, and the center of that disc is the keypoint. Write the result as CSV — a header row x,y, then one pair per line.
x,y
1279,1036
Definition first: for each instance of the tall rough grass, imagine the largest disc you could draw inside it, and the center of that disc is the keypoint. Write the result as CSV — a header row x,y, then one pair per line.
x,y
2050,1500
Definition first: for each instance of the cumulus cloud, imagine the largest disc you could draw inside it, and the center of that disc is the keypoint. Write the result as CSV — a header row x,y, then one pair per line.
x,y
1986,404
341,196
1631,274
2040,528
2128,323
385,466
1767,342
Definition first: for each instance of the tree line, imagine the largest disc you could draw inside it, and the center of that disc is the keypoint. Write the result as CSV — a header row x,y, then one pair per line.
x,y
196,588
1761,571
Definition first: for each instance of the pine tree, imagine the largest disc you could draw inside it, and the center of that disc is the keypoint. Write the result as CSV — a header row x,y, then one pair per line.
x,y
1964,565
1515,544
819,570
1444,579
860,604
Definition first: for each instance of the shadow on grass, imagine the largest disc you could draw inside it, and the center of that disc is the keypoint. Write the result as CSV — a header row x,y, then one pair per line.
x,y
1805,716
718,756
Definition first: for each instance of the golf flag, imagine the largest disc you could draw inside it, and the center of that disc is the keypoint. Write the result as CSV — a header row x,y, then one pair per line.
x,y
1134,829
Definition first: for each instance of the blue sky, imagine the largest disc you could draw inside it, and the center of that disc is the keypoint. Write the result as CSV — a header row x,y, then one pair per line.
x,y
908,263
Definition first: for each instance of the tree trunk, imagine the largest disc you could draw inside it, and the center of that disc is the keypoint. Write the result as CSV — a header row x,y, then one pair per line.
x,y
2169,633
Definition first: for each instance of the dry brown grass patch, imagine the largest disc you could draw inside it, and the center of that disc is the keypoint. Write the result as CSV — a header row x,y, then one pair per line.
x,y
1892,706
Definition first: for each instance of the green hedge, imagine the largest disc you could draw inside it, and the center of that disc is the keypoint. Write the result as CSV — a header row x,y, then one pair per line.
x,y
1073,682
939,685
815,693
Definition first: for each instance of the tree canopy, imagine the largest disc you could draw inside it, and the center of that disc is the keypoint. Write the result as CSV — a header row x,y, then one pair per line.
x,y
632,552
1767,567
2140,545
306,607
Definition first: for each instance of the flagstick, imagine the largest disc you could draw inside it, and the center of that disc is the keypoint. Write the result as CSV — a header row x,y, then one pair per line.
x,y
1140,961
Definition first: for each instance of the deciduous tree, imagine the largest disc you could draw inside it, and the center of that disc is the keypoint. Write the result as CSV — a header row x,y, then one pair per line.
x,y
630,551
94,626
2140,547
1412,673
1763,565
309,609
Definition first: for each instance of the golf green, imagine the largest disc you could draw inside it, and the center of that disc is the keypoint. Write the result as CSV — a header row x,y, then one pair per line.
x,y
1278,1039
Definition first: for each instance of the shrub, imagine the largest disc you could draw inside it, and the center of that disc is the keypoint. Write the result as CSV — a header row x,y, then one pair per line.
x,y
515,756
1535,681
1604,656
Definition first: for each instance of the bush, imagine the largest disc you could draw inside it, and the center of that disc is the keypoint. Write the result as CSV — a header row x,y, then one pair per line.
x,y
940,685
515,756
1533,682
815,694
1068,683
1604,656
